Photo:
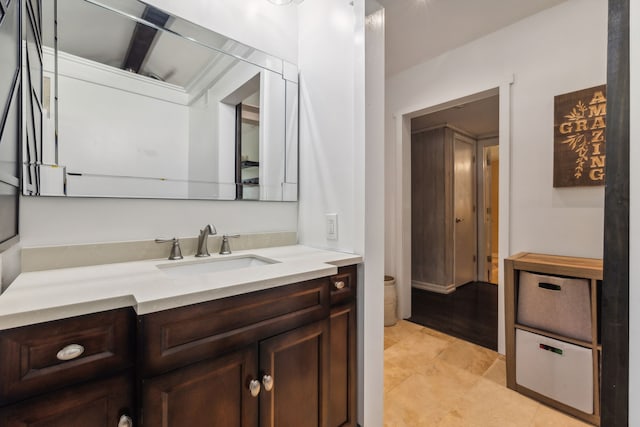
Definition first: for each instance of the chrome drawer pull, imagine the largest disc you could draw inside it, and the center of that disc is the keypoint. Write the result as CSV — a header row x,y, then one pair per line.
x,y
125,421
339,284
70,352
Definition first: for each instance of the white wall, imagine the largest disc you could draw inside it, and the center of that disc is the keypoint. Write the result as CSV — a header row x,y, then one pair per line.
x,y
327,157
108,131
105,128
371,307
545,60
341,156
634,221
48,221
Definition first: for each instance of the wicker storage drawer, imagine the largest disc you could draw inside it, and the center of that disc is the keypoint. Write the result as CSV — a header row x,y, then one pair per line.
x,y
555,369
556,304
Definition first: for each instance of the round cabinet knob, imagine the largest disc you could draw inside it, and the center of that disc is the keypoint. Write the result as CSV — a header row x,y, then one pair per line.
x,y
254,387
459,220
339,284
70,352
125,421
267,382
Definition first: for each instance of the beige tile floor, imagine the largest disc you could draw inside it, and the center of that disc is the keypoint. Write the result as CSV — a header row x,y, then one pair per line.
x,y
435,380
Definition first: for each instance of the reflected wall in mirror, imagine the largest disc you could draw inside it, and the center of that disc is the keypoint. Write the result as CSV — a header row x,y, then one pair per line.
x,y
139,103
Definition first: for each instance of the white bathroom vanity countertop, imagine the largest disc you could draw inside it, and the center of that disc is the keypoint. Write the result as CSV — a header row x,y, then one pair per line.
x,y
56,294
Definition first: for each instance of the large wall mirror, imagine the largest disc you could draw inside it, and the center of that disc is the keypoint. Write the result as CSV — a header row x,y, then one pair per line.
x,y
10,117
139,103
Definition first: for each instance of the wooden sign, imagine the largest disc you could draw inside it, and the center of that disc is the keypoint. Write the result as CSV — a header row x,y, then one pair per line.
x,y
579,137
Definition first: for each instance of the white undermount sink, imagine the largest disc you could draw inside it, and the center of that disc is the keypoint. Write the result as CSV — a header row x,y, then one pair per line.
x,y
214,265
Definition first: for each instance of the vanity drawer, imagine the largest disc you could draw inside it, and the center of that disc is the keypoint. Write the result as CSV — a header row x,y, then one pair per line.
x,y
98,403
33,357
174,338
343,285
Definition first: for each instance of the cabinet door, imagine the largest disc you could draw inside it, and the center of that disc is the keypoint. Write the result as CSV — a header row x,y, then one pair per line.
x,y
298,363
213,392
343,371
97,404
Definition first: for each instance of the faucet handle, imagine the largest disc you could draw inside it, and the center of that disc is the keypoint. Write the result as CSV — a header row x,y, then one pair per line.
x,y
225,249
175,253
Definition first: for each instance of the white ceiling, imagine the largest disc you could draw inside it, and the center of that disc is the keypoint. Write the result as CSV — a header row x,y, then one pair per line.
x,y
419,30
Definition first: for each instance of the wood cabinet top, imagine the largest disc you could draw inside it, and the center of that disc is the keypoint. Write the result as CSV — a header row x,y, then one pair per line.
x,y
589,268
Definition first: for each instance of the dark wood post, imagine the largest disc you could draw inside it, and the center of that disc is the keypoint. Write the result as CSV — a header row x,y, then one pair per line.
x,y
615,289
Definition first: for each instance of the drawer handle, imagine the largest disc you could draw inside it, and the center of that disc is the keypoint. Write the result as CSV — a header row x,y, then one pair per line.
x,y
549,286
267,382
339,284
552,349
125,421
70,352
254,387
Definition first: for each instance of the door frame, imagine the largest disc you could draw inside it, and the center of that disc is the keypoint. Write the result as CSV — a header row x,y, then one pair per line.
x,y
402,190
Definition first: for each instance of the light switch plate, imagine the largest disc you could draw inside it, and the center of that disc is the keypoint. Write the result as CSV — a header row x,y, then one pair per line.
x,y
332,226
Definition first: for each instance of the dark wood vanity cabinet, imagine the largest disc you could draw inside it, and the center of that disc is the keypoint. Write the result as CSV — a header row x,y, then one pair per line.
x,y
280,357
294,346
259,359
99,403
290,383
71,372
343,371
215,389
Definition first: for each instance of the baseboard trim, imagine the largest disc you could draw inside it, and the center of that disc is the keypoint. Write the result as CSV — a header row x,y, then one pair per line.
x,y
431,287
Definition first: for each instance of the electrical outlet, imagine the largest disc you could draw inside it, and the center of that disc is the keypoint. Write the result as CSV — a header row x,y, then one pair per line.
x,y
332,226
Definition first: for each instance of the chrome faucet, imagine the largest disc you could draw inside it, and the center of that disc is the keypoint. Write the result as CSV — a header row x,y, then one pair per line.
x,y
208,230
225,249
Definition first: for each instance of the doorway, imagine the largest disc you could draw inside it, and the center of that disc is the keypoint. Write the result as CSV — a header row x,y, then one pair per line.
x,y
454,220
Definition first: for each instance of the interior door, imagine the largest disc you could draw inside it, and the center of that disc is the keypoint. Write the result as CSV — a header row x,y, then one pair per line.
x,y
464,200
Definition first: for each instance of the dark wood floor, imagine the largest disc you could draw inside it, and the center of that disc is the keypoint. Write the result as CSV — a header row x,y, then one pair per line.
x,y
469,313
